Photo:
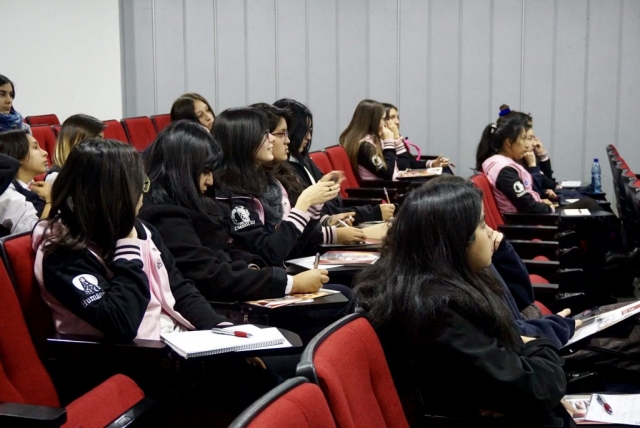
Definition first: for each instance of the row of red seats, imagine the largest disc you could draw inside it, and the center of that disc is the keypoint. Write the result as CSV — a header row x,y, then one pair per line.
x,y
626,186
137,131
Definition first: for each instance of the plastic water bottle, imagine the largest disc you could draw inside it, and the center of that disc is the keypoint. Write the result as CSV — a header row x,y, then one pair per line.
x,y
596,181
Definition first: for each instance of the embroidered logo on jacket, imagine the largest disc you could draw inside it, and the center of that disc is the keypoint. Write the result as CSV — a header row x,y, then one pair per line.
x,y
241,217
377,162
518,187
89,285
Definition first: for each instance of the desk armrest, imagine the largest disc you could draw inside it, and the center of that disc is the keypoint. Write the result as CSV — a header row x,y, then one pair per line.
x,y
79,346
531,249
517,231
550,219
19,414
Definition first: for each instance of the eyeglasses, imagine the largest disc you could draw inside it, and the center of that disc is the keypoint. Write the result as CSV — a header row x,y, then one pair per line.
x,y
147,184
280,134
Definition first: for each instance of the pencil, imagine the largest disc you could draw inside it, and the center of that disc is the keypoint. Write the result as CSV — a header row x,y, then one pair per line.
x,y
316,261
386,194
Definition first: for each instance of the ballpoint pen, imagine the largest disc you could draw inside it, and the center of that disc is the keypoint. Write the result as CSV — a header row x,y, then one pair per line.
x,y
343,224
230,332
316,261
386,194
606,405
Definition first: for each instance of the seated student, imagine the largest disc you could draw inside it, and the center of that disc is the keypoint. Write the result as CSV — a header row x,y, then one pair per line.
x,y
196,229
75,129
103,272
440,315
193,107
370,145
407,160
300,130
500,149
9,118
23,202
264,222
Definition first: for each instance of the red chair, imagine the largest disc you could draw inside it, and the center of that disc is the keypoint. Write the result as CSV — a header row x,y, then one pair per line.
x,y
25,385
45,119
46,139
347,362
140,131
161,121
115,131
321,160
295,403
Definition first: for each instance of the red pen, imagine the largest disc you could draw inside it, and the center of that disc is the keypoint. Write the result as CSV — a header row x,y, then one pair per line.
x,y
606,405
236,333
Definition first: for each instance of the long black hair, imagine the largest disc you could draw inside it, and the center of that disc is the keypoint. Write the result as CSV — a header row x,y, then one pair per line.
x,y
424,266
300,125
180,154
240,132
95,197
495,135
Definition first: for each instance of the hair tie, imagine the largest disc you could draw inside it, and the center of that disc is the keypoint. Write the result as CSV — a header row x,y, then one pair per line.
x,y
504,112
493,127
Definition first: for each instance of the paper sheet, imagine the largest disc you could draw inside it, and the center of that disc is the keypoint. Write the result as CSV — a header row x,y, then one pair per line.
x,y
600,322
576,212
570,183
307,263
626,409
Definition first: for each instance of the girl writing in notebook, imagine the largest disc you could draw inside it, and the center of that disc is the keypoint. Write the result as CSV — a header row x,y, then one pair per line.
x,y
440,315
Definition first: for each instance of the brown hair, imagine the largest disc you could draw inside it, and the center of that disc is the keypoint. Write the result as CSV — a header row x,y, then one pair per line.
x,y
365,121
75,129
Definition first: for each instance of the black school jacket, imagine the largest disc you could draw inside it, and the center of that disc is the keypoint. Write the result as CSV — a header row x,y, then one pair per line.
x,y
203,254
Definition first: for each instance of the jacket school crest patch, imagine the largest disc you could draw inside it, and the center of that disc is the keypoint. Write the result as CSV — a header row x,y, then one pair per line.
x,y
241,217
518,188
87,283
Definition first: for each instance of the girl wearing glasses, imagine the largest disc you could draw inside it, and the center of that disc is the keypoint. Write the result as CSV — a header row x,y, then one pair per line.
x,y
102,271
264,222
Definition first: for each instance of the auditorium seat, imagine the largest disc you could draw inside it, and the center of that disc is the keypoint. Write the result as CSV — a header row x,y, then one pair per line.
x,y
347,361
115,131
27,394
56,130
46,139
45,119
295,403
160,121
140,131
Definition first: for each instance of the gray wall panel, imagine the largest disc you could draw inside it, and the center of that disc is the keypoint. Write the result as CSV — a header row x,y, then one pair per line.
x,y
139,58
170,52
231,53
444,81
506,53
292,48
200,54
261,51
383,51
475,80
414,69
323,71
568,120
353,65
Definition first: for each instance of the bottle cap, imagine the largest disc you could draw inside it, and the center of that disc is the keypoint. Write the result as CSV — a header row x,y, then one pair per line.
x,y
595,159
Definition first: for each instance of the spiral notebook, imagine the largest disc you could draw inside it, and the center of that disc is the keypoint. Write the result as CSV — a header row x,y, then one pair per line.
x,y
202,343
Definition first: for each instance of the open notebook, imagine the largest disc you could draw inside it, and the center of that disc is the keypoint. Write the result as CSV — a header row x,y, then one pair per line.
x,y
201,343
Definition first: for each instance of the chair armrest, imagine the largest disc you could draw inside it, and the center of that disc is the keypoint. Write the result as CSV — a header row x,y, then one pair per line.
x,y
401,186
19,414
531,249
550,219
546,269
136,415
517,231
74,346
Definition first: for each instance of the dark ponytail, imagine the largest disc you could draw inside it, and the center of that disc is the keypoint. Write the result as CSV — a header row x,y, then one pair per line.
x,y
509,126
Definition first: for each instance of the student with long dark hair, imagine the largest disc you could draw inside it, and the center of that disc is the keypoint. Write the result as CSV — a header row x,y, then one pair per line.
x,y
23,201
407,160
440,314
182,164
300,132
501,148
102,271
73,130
264,222
193,107
10,119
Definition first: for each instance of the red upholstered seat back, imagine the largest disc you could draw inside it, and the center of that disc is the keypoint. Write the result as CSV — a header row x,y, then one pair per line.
x,y
140,131
294,404
355,378
115,131
161,121
45,119
46,139
321,160
23,378
492,215
20,258
340,162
